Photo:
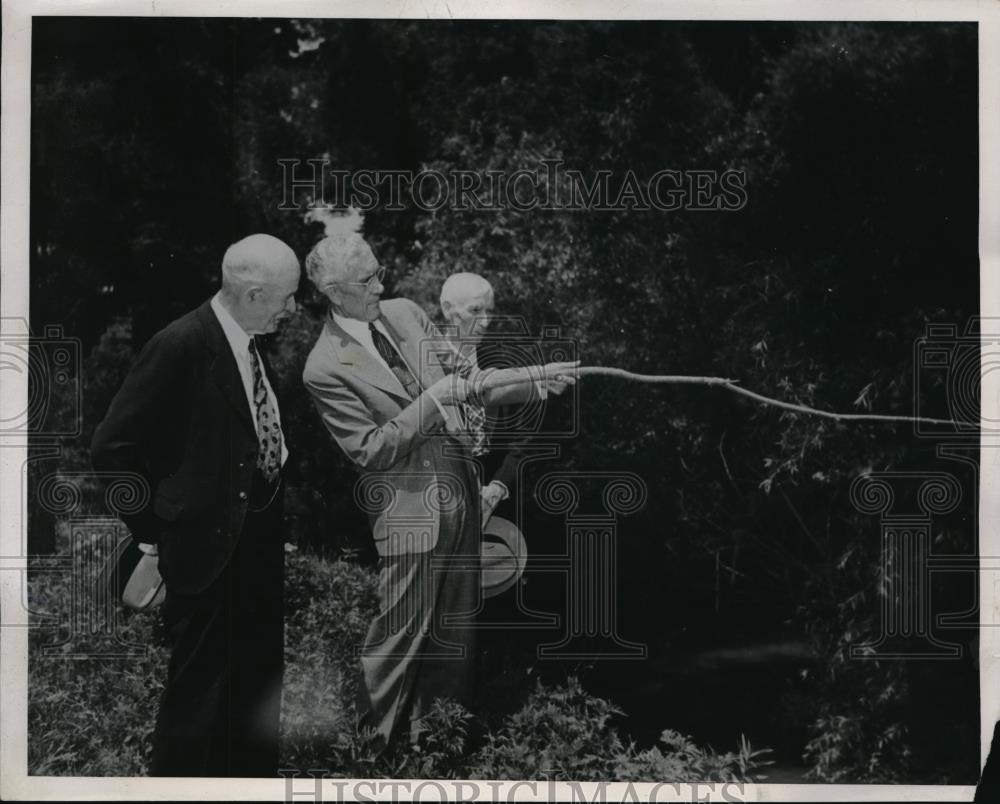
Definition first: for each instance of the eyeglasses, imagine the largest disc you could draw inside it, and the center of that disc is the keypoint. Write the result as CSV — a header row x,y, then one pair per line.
x,y
369,284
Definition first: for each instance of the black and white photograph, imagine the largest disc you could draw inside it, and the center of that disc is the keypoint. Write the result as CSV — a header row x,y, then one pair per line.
x,y
499,404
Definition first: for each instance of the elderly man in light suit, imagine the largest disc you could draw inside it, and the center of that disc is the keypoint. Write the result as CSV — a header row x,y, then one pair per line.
x,y
381,383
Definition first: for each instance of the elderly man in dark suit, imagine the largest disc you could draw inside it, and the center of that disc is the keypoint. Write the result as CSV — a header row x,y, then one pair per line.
x,y
198,419
382,386
467,305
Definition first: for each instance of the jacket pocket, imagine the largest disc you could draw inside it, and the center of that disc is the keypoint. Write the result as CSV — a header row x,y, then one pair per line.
x,y
409,526
184,497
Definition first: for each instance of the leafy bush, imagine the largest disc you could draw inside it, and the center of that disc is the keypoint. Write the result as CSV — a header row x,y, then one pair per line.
x,y
91,715
858,732
682,761
560,733
440,752
565,734
94,717
328,606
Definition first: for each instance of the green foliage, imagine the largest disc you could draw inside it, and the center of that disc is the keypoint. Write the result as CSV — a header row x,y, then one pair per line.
x,y
560,733
563,734
328,606
677,758
88,715
859,732
94,716
103,372
440,752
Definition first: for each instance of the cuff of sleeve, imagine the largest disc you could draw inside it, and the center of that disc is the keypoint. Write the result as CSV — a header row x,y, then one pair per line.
x,y
503,488
543,390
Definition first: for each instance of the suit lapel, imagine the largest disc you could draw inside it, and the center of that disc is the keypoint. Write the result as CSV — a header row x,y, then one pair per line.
x,y
223,368
364,365
417,349
426,357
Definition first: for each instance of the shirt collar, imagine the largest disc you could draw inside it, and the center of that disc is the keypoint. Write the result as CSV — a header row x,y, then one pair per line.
x,y
239,341
358,329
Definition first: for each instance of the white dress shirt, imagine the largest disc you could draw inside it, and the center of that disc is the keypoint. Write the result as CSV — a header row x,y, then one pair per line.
x,y
239,342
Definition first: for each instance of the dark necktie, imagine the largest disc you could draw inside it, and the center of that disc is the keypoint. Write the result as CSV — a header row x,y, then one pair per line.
x,y
268,429
475,415
395,361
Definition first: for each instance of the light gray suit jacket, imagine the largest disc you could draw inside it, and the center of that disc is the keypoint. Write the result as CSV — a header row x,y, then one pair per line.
x,y
410,453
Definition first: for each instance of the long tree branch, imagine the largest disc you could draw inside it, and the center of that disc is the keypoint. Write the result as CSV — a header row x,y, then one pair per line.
x,y
515,376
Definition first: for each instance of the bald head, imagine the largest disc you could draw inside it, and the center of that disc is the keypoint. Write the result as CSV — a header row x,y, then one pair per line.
x,y
260,275
257,258
467,305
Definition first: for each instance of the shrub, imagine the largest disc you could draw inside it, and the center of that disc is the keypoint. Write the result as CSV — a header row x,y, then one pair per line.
x,y
328,606
440,753
561,733
680,760
858,732
90,716
94,717
565,734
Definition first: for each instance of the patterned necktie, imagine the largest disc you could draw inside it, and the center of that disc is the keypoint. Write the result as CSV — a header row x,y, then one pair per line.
x,y
395,362
475,415
268,429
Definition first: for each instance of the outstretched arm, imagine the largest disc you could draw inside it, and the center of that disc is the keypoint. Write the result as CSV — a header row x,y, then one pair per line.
x,y
518,385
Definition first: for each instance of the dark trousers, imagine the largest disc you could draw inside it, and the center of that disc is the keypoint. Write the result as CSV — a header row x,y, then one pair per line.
x,y
219,713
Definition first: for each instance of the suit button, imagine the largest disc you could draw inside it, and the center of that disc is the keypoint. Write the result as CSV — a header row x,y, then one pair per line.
x,y
243,495
426,464
242,464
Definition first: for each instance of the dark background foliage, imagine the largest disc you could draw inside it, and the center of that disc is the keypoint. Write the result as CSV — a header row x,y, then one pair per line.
x,y
155,144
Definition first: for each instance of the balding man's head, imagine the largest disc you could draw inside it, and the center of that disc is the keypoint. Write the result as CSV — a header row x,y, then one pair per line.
x,y
258,258
260,275
467,304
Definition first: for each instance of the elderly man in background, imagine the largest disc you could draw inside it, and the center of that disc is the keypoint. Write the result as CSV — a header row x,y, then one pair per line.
x,y
381,383
467,305
197,418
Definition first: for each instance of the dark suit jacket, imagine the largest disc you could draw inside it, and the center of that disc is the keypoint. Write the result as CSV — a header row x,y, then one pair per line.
x,y
181,420
505,424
